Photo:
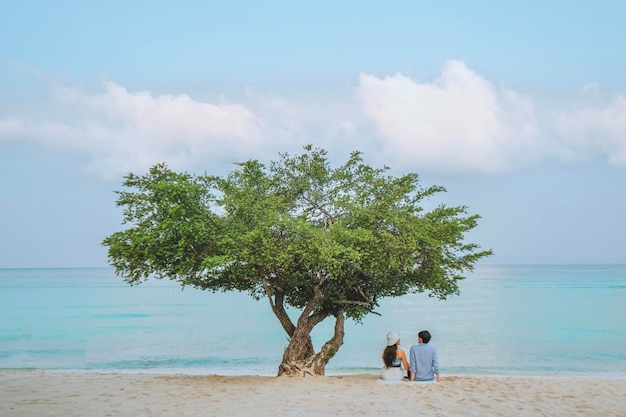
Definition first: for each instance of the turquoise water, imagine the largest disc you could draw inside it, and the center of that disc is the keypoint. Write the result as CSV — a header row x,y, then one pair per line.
x,y
532,319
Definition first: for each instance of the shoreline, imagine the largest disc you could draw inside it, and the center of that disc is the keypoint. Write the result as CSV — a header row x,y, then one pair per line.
x,y
39,393
602,376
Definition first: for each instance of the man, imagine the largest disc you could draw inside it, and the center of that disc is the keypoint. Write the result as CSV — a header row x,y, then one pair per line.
x,y
423,359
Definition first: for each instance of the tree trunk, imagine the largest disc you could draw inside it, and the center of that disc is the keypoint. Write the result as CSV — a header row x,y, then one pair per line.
x,y
297,360
278,308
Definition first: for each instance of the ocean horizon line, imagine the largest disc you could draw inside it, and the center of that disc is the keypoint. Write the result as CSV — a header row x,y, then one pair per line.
x,y
504,264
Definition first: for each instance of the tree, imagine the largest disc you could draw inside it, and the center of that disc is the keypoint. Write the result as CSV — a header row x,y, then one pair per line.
x,y
328,241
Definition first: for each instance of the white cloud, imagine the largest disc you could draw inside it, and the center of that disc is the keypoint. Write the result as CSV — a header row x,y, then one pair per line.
x,y
594,130
460,122
10,128
119,131
127,131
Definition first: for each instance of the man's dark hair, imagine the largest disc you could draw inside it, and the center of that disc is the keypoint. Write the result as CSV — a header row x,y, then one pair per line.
x,y
424,335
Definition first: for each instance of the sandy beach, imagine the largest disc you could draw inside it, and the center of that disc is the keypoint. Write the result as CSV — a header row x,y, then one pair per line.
x,y
33,393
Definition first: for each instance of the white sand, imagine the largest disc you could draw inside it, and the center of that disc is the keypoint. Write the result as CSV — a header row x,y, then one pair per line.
x,y
33,394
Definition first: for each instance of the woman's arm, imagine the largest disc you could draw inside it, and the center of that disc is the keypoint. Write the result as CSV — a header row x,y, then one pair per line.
x,y
402,356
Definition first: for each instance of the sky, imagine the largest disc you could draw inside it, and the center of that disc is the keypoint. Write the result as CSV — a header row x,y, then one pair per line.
x,y
517,108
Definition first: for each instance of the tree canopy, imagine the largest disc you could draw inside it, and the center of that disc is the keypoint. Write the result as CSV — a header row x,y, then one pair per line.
x,y
330,242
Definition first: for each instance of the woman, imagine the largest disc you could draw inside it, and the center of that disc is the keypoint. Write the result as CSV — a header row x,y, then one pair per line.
x,y
394,358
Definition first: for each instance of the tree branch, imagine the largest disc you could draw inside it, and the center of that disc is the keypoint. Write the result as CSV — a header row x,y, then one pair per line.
x,y
365,297
278,307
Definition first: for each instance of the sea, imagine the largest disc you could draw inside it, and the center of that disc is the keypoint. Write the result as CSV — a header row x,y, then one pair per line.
x,y
518,320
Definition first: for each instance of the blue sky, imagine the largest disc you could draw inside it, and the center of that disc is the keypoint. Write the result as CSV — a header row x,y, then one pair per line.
x,y
517,108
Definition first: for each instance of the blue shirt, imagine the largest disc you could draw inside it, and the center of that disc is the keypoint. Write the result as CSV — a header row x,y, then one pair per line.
x,y
424,362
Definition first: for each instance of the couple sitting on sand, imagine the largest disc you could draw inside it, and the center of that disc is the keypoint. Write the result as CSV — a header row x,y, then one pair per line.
x,y
424,362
